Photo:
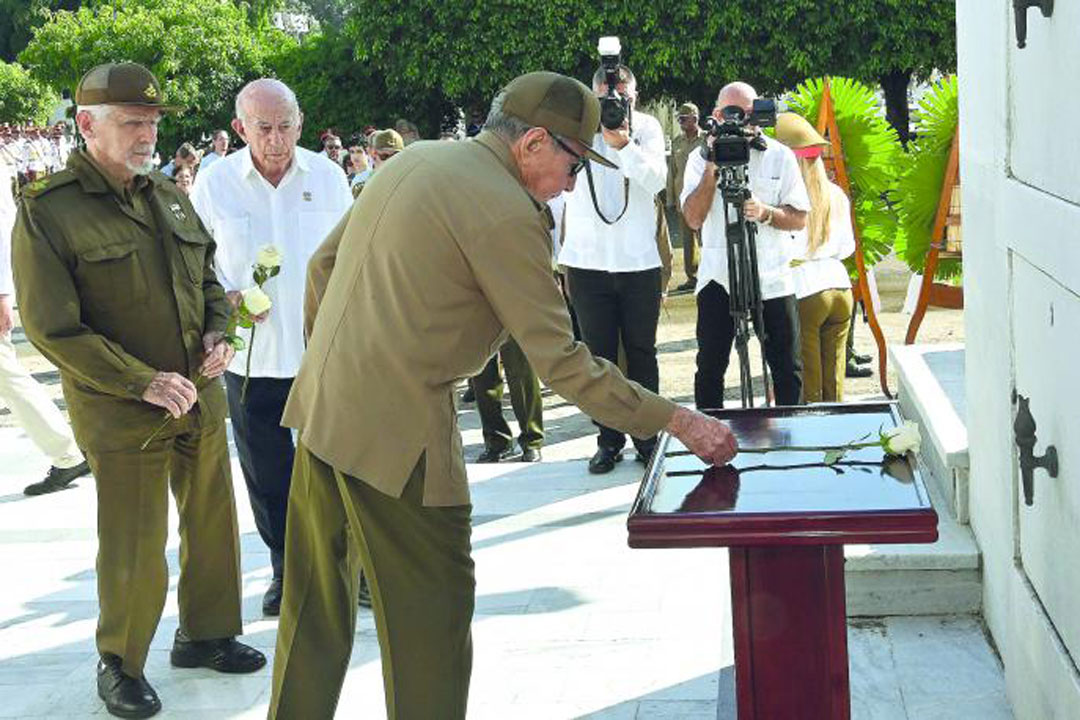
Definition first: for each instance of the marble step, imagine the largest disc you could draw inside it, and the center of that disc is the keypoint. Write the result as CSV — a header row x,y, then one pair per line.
x,y
943,578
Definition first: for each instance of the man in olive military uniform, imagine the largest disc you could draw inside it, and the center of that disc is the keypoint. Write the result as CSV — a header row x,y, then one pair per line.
x,y
122,297
689,140
445,255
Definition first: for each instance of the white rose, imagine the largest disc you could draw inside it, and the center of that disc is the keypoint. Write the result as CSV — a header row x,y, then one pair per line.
x,y
268,257
902,439
256,301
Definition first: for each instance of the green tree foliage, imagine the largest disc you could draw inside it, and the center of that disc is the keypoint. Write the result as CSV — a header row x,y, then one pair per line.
x,y
22,98
202,51
333,89
919,188
18,18
872,155
462,53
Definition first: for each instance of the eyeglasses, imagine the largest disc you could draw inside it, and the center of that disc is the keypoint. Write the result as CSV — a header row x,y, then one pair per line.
x,y
581,159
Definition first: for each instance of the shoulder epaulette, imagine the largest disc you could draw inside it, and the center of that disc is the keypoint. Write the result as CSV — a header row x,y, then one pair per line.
x,y
50,182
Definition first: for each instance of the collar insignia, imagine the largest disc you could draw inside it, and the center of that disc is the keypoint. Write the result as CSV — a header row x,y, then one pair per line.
x,y
178,212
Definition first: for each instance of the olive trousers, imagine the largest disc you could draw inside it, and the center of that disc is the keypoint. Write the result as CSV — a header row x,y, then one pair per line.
x,y
133,516
419,567
525,399
823,329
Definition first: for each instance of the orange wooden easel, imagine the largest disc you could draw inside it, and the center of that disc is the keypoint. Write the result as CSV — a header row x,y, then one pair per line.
x,y
826,125
930,292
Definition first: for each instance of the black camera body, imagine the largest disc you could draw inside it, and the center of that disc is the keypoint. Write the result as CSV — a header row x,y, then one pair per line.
x,y
615,109
732,138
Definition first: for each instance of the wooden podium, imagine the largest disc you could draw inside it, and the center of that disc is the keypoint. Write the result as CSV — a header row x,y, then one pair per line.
x,y
786,517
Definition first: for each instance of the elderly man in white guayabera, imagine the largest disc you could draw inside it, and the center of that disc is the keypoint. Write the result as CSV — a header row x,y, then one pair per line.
x,y
271,192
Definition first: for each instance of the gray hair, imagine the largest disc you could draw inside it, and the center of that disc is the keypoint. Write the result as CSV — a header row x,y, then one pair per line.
x,y
271,85
503,124
98,112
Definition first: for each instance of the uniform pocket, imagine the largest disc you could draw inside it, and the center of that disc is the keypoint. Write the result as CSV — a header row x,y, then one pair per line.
x,y
111,273
767,190
193,246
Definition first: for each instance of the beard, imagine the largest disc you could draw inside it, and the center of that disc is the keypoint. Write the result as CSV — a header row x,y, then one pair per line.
x,y
144,167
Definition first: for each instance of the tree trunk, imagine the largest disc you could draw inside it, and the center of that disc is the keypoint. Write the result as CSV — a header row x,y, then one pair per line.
x,y
895,86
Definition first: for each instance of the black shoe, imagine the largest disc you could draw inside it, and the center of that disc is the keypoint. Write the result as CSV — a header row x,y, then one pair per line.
x,y
272,598
643,457
855,371
124,696
57,479
225,655
365,592
604,460
469,395
861,359
687,286
530,455
494,455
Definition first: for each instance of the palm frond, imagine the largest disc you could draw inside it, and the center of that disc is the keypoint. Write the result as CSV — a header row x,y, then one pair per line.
x,y
919,187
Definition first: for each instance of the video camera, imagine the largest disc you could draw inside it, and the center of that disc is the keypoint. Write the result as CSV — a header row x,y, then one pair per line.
x,y
732,137
614,108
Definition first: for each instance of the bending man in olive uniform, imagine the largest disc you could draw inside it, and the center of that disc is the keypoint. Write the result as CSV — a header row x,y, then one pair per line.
x,y
122,297
446,253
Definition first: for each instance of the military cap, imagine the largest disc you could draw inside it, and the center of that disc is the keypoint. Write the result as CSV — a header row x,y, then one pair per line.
x,y
687,109
121,84
559,104
795,132
387,141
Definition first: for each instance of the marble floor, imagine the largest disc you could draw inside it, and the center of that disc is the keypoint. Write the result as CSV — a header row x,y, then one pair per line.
x,y
570,622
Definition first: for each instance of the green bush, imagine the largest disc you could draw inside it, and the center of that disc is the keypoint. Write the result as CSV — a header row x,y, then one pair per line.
x,y
22,98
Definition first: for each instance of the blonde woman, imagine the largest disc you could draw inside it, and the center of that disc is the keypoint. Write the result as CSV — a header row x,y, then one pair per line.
x,y
822,286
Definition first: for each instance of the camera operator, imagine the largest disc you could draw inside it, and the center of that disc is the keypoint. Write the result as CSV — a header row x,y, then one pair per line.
x,y
613,271
779,206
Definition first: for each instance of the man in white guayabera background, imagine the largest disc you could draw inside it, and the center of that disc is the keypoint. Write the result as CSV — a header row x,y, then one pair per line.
x,y
271,192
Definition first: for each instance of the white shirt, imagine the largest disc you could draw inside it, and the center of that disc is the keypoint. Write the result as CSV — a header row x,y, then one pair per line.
x,y
243,212
630,244
824,270
209,159
7,222
775,180
557,205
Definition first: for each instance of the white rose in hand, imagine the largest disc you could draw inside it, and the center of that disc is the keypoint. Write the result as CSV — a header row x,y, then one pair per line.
x,y
902,439
256,301
269,257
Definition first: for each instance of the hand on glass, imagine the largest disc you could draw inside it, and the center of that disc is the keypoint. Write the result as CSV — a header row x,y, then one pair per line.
x,y
705,436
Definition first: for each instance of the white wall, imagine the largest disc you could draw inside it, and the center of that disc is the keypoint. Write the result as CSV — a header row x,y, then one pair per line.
x,y
985,32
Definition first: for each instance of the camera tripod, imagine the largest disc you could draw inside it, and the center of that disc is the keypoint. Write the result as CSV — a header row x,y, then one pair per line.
x,y
744,285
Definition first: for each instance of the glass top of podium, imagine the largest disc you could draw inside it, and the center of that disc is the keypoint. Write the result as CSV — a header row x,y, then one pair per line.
x,y
771,495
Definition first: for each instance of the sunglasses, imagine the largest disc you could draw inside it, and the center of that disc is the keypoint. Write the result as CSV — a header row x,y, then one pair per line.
x,y
581,159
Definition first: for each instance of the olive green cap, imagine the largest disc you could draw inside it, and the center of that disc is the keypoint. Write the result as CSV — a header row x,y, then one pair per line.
x,y
387,141
795,132
687,109
559,104
121,84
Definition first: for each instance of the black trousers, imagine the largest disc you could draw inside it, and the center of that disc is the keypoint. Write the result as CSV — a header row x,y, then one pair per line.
x,y
620,307
266,455
716,333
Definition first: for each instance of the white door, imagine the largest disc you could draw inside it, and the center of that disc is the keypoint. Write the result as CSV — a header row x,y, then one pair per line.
x,y
1020,160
